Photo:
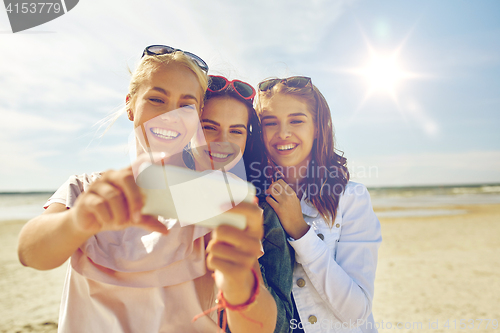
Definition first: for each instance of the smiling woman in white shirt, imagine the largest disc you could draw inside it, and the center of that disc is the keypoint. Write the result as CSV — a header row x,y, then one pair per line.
x,y
329,219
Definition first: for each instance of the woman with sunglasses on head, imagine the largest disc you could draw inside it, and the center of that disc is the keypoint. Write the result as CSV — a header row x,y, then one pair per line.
x,y
128,272
232,132
329,219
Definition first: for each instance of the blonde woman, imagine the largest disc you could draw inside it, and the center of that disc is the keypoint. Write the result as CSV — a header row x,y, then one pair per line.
x,y
127,271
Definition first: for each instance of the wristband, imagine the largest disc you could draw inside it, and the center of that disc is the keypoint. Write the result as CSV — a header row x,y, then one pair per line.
x,y
223,304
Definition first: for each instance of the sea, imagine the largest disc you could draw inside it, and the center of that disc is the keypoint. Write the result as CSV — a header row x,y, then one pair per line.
x,y
22,205
413,201
387,201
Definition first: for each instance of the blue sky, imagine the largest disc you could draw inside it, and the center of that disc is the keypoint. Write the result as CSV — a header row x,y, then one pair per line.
x,y
440,125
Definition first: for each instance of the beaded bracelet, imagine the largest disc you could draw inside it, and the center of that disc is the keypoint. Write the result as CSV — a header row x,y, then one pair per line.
x,y
223,304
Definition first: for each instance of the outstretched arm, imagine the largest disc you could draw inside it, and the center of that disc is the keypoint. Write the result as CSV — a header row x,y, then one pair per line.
x,y
233,253
112,202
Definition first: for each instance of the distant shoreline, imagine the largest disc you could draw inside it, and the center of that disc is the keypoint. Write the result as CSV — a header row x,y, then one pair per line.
x,y
428,187
27,192
383,188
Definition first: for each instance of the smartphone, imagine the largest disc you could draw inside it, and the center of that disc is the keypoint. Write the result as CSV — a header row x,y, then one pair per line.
x,y
193,197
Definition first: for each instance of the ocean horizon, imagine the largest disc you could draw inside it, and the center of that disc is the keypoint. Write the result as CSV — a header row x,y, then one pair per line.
x,y
416,200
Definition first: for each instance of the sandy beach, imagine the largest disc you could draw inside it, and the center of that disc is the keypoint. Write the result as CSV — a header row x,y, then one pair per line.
x,y
431,270
442,268
29,299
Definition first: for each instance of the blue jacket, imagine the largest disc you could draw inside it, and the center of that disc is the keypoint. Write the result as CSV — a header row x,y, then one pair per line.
x,y
276,266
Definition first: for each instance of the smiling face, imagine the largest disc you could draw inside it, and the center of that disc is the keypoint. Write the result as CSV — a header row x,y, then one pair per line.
x,y
165,109
288,130
225,124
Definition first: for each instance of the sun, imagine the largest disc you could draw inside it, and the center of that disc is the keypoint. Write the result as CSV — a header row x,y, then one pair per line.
x,y
383,74
386,77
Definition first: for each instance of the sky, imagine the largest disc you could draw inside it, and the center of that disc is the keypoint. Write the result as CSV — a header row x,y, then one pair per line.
x,y
413,87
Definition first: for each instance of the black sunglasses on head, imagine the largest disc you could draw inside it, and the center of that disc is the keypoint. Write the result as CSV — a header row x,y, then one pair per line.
x,y
293,82
163,49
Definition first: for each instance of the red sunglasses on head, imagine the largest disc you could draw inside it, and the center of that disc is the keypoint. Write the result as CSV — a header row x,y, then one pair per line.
x,y
220,83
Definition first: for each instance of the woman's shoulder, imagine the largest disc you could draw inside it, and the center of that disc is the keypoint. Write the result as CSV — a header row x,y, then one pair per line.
x,y
84,178
81,181
358,218
355,192
75,185
355,188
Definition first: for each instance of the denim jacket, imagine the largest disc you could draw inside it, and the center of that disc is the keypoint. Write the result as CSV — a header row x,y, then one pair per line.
x,y
276,266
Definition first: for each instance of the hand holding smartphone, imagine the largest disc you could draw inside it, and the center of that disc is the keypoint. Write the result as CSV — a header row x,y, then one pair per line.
x,y
201,198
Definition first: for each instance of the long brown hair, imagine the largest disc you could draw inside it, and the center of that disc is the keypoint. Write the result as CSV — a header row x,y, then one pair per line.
x,y
329,167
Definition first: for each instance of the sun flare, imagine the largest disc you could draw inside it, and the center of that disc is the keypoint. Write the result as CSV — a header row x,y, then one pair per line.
x,y
382,74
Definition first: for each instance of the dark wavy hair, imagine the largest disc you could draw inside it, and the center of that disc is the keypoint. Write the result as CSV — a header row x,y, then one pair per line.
x,y
332,174
253,156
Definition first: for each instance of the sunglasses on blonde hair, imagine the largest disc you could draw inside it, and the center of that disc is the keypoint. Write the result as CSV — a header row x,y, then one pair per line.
x,y
220,83
292,82
163,49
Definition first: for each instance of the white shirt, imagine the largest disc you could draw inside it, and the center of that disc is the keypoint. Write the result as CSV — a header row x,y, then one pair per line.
x,y
335,266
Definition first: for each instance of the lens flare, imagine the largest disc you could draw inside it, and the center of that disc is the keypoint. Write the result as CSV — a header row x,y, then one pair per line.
x,y
383,73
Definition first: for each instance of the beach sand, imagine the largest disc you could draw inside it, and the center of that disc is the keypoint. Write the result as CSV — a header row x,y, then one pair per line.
x,y
430,269
29,299
442,268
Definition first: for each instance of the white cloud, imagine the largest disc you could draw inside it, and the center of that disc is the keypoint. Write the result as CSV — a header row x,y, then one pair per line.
x,y
17,123
104,150
60,78
86,53
258,35
19,159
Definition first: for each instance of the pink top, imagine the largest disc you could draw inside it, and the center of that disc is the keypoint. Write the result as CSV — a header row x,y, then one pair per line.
x,y
135,280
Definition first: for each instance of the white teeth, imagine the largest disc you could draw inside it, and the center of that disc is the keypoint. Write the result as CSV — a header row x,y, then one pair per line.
x,y
164,134
286,147
217,155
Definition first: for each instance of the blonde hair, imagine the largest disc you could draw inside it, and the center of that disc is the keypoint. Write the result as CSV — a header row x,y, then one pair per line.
x,y
146,66
151,62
